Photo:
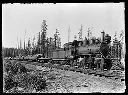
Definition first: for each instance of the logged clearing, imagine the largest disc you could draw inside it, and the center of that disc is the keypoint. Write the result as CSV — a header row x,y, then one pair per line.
x,y
61,81
75,82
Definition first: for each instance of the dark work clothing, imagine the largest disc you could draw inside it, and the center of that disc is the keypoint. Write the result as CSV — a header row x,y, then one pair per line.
x,y
107,39
75,43
104,48
108,63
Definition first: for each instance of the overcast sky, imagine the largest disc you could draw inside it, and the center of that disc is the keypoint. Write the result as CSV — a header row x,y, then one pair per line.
x,y
16,18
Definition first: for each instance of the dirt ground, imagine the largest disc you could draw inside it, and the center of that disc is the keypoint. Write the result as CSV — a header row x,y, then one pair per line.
x,y
75,82
61,81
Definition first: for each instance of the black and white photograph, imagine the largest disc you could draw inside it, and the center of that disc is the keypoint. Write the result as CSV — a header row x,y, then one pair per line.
x,y
63,47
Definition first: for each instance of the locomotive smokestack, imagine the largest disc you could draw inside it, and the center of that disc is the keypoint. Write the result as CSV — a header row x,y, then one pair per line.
x,y
102,36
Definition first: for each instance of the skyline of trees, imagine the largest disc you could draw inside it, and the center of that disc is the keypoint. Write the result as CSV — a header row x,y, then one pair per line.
x,y
43,45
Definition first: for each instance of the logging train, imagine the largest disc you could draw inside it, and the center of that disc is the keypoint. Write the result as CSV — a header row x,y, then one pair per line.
x,y
94,54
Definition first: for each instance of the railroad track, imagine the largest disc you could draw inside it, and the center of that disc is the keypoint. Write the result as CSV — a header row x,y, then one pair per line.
x,y
107,74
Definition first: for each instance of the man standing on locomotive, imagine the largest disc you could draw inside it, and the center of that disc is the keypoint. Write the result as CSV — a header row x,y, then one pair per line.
x,y
75,45
105,49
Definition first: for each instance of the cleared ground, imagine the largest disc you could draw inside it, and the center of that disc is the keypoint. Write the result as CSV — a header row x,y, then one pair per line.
x,y
61,81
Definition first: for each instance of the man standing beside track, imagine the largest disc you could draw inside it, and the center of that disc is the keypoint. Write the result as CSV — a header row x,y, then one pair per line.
x,y
90,61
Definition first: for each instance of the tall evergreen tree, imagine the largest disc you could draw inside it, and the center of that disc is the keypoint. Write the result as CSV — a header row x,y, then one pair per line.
x,y
57,40
24,44
38,44
43,37
80,33
28,46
